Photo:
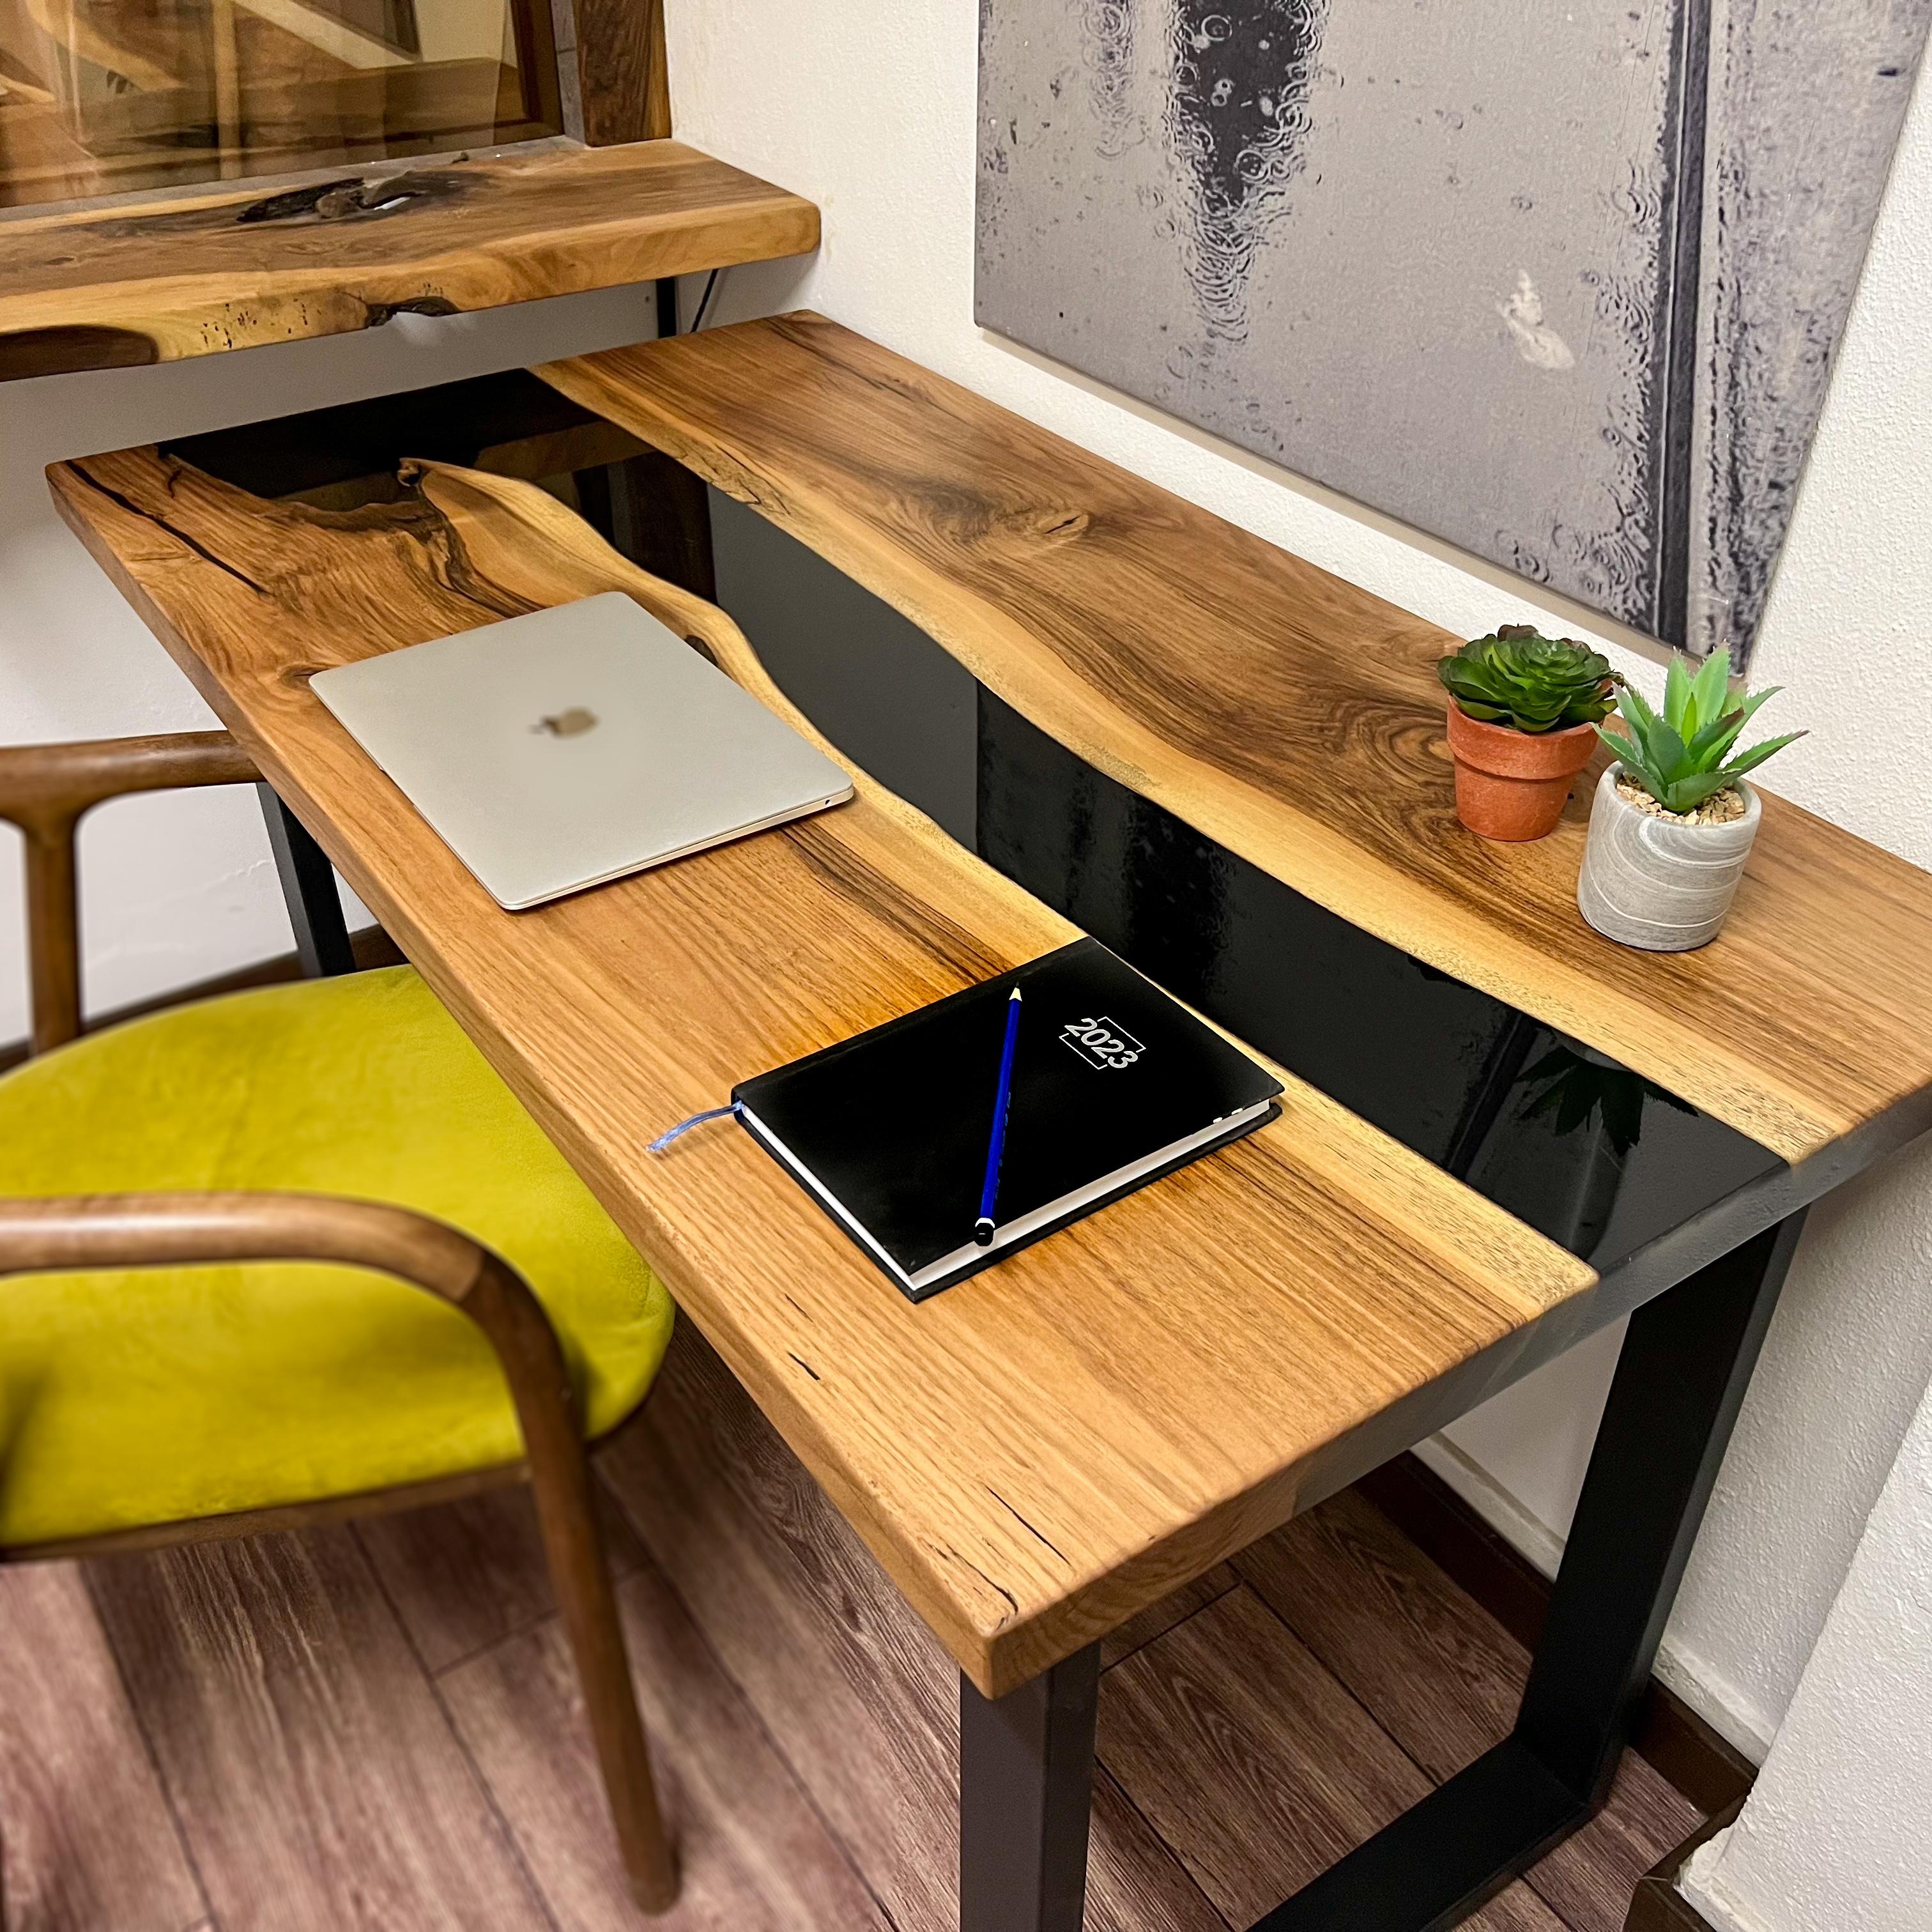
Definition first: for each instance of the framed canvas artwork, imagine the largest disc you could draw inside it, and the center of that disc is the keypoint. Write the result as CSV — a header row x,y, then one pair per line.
x,y
1560,283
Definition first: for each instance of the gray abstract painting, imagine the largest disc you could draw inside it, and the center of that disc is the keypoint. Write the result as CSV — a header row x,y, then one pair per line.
x,y
1559,282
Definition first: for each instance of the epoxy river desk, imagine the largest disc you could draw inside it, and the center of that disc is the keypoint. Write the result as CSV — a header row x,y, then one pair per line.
x,y
1500,1133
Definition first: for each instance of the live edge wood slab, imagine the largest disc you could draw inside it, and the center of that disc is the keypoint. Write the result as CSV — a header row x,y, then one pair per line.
x,y
1286,714
1039,1452
195,275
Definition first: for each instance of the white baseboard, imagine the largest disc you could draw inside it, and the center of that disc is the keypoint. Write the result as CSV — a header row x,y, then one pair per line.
x,y
1525,1532
1700,1886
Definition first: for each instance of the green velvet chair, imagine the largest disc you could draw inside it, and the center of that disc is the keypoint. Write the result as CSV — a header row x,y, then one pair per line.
x,y
294,1254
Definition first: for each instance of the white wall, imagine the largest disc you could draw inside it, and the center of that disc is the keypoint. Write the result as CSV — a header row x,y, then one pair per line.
x,y
179,888
868,107
1834,1834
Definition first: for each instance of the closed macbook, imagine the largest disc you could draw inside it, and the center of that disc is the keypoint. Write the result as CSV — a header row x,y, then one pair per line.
x,y
567,747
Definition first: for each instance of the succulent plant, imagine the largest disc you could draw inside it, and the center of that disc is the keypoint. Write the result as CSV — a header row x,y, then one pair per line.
x,y
1679,758
1529,682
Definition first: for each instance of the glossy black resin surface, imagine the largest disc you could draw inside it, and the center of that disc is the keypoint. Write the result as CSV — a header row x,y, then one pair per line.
x,y
1583,1149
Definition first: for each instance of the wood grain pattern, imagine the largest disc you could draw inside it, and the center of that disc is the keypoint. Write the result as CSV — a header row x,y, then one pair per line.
x,y
1158,1619
66,1732
1444,1680
622,76
1257,1766
852,1689
463,1575
275,1664
753,1853
1135,1883
757,1851
1711,1772
192,276
1038,1453
1285,713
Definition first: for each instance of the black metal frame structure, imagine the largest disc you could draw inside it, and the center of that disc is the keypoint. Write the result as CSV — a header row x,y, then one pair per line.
x,y
1026,1759
308,886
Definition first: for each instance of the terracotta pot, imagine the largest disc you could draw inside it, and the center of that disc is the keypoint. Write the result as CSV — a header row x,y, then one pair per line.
x,y
1514,784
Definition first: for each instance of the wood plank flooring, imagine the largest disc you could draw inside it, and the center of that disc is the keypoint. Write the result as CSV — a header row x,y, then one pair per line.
x,y
378,1726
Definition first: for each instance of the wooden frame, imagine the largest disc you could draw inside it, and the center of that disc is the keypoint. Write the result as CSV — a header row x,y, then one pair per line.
x,y
623,80
593,70
45,789
147,104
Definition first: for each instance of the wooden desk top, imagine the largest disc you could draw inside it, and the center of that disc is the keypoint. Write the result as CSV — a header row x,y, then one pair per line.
x,y
1039,1451
240,265
1290,716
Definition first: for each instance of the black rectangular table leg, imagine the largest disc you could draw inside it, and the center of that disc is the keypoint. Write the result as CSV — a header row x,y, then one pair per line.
x,y
1026,1785
308,885
1680,1381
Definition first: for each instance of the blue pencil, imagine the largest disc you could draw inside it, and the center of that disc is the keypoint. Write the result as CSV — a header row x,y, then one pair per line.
x,y
989,1189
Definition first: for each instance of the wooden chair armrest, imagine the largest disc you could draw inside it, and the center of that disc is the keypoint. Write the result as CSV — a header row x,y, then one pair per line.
x,y
124,1231
41,784
188,1230
45,789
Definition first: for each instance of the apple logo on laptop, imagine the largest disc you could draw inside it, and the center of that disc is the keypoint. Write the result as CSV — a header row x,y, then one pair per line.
x,y
570,723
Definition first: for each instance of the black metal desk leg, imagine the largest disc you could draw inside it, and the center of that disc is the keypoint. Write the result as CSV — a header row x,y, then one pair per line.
x,y
308,884
1680,1381
1026,1785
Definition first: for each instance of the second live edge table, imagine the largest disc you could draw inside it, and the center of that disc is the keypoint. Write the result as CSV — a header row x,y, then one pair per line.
x,y
1500,1132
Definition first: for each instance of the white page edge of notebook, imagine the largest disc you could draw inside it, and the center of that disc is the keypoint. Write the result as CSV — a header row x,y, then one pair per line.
x,y
1008,1232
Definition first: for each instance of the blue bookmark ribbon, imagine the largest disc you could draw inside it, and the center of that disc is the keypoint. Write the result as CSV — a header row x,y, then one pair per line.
x,y
664,1140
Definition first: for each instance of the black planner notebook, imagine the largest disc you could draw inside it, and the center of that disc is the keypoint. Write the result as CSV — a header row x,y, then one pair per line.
x,y
1113,1085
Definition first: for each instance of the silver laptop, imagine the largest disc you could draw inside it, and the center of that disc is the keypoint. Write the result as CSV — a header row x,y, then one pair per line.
x,y
568,748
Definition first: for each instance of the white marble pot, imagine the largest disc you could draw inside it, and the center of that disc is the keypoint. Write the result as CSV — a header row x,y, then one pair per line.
x,y
1657,884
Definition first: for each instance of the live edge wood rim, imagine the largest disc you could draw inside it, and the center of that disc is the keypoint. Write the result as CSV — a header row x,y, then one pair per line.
x,y
1034,1455
237,266
139,278
1285,713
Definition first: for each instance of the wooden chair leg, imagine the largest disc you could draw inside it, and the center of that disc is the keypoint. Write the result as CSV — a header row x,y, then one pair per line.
x,y
173,1230
574,1547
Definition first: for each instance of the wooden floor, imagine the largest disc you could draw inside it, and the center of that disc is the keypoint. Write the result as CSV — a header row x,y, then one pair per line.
x,y
377,1727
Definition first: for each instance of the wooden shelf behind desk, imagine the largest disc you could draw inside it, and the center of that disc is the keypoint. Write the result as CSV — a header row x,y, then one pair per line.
x,y
198,274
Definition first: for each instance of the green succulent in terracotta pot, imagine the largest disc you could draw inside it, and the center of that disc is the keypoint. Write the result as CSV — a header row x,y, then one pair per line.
x,y
1523,711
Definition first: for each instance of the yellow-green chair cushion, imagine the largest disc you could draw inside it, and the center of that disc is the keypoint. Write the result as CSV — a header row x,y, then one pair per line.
x,y
154,1395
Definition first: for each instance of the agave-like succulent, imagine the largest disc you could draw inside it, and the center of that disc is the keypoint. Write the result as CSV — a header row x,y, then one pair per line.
x,y
1521,678
1679,758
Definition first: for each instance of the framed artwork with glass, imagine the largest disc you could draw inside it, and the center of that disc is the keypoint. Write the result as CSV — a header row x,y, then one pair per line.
x,y
99,97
